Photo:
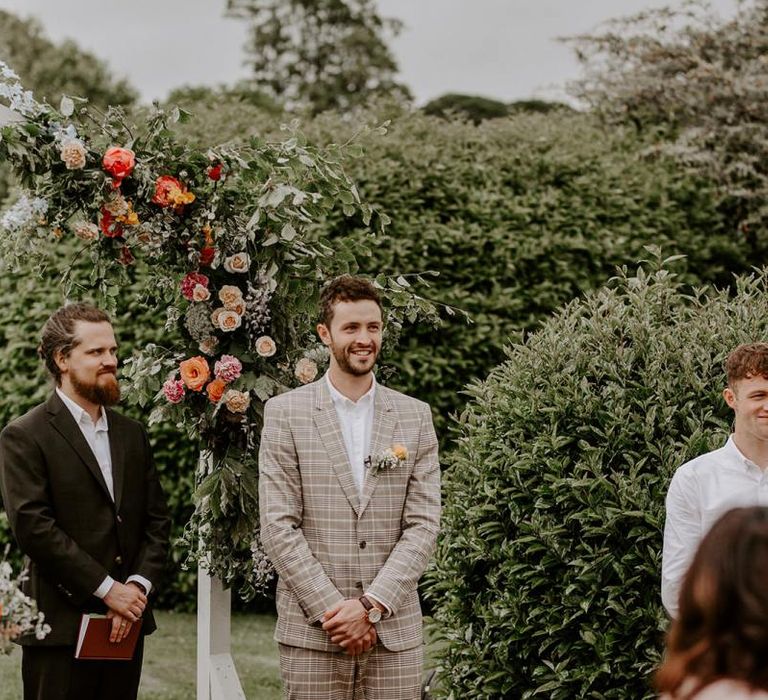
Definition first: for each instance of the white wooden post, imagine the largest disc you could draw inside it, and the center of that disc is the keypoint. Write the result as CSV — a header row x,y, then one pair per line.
x,y
216,675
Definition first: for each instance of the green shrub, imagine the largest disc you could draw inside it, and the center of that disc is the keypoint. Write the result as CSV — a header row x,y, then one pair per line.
x,y
547,576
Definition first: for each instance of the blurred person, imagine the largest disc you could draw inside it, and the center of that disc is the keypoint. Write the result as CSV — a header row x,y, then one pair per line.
x,y
717,648
734,475
86,508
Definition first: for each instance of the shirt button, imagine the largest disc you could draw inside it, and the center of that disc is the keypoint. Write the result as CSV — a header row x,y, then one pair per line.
x,y
118,559
363,544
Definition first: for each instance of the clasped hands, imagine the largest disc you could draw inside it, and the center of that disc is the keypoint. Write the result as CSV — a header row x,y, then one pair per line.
x,y
126,603
348,626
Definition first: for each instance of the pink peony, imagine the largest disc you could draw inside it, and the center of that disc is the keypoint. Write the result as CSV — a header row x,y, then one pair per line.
x,y
228,368
173,390
190,281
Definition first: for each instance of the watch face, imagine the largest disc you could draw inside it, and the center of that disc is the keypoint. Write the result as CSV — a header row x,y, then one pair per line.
x,y
374,615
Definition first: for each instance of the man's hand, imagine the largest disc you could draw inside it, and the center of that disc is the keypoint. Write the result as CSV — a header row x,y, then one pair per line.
x,y
348,626
128,601
120,627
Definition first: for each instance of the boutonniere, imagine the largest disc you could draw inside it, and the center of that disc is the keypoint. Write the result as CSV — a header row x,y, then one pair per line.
x,y
388,459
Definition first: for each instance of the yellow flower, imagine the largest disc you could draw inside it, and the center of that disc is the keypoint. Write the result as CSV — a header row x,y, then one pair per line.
x,y
400,451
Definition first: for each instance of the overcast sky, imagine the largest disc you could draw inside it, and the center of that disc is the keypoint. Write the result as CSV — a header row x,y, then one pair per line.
x,y
505,49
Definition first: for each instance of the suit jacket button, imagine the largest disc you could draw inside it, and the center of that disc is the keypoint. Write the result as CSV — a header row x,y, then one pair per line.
x,y
118,559
362,544
119,518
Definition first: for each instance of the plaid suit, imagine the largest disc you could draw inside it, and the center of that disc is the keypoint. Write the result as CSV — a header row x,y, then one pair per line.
x,y
327,541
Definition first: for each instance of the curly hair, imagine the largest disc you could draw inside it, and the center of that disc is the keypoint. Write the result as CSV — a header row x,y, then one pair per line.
x,y
345,288
722,627
748,360
58,335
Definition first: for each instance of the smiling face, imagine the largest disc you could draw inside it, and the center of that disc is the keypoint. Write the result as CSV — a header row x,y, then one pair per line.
x,y
90,369
748,398
353,336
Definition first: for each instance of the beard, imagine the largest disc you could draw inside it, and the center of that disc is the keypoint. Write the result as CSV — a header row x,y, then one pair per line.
x,y
344,359
103,393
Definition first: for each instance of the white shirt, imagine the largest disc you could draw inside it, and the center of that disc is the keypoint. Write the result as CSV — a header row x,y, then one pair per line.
x,y
97,436
701,491
356,422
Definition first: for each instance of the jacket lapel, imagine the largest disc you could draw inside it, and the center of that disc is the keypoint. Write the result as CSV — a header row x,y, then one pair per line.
x,y
117,453
61,419
327,423
384,421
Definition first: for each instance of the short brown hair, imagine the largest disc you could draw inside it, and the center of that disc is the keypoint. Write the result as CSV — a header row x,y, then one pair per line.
x,y
745,361
345,288
722,627
58,334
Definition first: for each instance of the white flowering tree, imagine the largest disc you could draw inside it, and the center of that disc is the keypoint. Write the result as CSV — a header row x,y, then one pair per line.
x,y
18,613
235,262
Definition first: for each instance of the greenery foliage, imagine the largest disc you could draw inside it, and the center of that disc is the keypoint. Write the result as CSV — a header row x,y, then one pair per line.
x,y
699,85
519,216
547,573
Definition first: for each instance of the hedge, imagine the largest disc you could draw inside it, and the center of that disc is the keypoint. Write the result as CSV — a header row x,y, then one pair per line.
x,y
520,216
546,581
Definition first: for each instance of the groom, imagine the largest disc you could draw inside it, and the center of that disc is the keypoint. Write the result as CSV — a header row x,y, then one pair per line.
x,y
349,486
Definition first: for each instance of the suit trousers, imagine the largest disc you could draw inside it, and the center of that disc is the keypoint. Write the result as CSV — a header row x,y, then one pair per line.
x,y
53,673
378,674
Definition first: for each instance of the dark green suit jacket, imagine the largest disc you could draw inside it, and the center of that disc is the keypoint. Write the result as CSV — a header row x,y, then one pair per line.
x,y
71,532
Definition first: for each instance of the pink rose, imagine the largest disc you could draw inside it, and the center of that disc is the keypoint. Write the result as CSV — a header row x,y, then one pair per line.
x,y
228,368
173,390
190,281
200,293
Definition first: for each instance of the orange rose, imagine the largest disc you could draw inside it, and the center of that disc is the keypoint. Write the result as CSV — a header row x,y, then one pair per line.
x,y
400,451
216,390
170,192
195,372
119,163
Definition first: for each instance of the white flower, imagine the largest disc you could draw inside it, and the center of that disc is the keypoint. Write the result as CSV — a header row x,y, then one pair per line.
x,y
265,346
240,262
305,370
236,401
228,321
23,213
73,154
86,231
201,293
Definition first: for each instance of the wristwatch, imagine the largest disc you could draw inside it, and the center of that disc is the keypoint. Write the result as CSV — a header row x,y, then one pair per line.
x,y
372,613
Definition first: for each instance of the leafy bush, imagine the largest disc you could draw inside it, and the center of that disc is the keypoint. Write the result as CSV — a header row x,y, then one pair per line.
x,y
547,576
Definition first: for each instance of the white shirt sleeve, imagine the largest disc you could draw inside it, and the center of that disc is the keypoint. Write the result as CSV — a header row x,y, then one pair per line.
x,y
143,582
682,533
103,589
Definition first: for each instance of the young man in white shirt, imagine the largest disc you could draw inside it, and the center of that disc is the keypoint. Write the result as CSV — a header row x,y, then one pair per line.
x,y
732,476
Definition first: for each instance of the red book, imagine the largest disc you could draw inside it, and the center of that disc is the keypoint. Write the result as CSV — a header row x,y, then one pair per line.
x,y
93,641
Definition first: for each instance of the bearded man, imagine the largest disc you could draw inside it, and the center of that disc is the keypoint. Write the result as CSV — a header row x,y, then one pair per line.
x,y
349,491
86,508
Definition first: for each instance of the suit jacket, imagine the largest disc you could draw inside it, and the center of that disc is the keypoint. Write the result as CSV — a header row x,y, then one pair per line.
x,y
71,532
327,541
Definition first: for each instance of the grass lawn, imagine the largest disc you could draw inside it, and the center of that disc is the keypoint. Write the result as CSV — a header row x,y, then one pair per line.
x,y
169,659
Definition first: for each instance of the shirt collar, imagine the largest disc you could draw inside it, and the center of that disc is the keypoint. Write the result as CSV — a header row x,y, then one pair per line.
x,y
340,400
81,415
735,452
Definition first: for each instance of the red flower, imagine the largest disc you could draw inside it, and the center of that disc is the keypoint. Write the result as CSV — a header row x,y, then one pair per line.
x,y
109,227
119,163
190,281
126,256
207,255
214,171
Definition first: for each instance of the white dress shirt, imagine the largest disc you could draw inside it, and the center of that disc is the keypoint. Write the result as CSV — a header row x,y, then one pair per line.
x,y
97,436
356,422
700,492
